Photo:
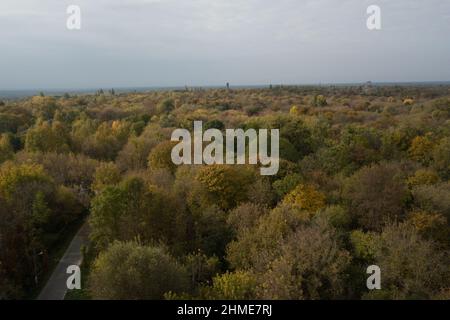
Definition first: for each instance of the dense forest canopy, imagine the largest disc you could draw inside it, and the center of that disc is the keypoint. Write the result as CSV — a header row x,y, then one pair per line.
x,y
363,180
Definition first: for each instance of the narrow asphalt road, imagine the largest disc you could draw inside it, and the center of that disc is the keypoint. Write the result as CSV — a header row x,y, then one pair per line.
x,y
56,287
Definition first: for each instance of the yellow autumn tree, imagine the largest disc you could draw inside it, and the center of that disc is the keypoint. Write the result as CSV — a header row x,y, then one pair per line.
x,y
430,225
294,111
306,197
238,285
226,185
421,149
423,177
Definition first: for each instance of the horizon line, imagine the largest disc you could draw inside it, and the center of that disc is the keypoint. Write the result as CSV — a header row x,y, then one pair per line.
x,y
213,86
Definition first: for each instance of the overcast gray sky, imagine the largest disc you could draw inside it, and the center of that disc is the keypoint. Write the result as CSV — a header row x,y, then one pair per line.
x,y
126,43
